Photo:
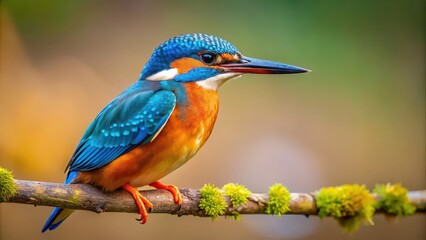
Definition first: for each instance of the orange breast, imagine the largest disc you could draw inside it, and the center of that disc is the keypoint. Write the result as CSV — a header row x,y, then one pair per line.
x,y
188,128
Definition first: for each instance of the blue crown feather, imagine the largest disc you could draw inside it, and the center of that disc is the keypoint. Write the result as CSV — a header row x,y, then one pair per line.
x,y
187,45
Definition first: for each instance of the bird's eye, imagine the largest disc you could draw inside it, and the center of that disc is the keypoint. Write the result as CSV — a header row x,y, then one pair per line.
x,y
208,58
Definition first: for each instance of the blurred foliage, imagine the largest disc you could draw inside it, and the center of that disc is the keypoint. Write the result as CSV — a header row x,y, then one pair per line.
x,y
46,17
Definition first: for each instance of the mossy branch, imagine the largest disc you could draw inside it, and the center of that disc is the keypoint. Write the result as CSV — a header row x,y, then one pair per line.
x,y
350,205
85,197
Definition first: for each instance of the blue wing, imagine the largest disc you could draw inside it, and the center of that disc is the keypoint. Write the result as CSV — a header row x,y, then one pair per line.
x,y
133,118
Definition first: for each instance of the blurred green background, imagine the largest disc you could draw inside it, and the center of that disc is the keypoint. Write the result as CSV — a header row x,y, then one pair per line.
x,y
359,117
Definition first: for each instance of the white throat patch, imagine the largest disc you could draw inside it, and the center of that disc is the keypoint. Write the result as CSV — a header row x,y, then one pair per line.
x,y
214,83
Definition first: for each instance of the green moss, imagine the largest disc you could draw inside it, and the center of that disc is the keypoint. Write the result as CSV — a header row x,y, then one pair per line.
x,y
348,204
236,215
279,200
212,201
8,188
393,200
237,193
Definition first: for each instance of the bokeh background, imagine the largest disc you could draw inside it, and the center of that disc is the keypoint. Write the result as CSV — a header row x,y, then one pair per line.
x,y
359,117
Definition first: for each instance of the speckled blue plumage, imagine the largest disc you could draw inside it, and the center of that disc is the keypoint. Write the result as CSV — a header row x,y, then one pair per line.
x,y
132,118
187,45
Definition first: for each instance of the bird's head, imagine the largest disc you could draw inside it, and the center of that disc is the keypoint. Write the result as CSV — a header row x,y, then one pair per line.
x,y
207,60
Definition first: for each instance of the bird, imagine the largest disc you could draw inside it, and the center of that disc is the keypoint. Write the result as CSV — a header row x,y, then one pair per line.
x,y
161,121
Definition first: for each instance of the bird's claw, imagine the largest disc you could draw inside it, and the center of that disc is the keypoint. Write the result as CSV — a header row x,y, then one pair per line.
x,y
143,215
144,206
141,220
177,198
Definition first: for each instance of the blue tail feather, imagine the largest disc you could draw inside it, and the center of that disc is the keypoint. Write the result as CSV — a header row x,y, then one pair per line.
x,y
49,223
59,215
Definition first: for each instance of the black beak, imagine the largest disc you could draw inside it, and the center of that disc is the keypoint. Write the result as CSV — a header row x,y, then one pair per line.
x,y
259,66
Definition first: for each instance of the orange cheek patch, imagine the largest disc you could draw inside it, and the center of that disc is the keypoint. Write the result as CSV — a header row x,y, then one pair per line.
x,y
227,57
183,65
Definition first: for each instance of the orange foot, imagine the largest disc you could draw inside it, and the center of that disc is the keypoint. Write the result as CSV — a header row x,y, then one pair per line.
x,y
171,188
141,202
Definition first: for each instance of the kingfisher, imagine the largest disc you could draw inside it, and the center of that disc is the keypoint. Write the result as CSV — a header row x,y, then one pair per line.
x,y
161,121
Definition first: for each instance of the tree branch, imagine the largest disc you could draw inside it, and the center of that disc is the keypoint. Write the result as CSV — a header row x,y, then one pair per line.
x,y
89,198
